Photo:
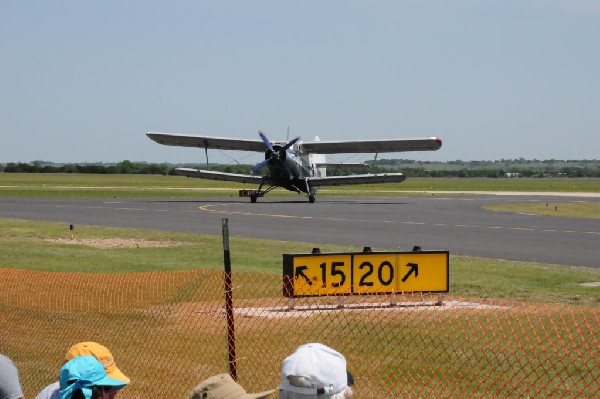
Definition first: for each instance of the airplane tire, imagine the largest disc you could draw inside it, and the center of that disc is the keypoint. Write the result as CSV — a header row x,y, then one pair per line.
x,y
311,198
253,198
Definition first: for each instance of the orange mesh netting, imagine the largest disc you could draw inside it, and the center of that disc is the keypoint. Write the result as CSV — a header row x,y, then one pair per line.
x,y
168,331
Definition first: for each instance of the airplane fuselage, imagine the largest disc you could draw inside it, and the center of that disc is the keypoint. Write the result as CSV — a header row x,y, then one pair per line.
x,y
287,170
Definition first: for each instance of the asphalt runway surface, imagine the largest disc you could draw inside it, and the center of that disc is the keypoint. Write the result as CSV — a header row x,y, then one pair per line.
x,y
456,223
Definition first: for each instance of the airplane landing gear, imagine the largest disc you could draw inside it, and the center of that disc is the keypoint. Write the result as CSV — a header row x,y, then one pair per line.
x,y
311,193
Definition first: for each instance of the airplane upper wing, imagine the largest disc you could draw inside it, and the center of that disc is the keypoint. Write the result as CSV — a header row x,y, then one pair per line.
x,y
222,143
214,175
319,147
361,146
356,179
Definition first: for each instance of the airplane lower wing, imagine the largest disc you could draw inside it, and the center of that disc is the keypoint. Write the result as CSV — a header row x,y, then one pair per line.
x,y
222,176
312,181
356,179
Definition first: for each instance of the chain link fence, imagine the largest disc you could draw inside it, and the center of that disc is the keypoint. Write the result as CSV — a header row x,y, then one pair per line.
x,y
168,331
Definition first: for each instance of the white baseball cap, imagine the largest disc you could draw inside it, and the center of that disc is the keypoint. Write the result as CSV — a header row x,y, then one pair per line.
x,y
315,369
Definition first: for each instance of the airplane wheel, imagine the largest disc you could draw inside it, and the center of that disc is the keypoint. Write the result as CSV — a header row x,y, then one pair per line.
x,y
253,198
311,198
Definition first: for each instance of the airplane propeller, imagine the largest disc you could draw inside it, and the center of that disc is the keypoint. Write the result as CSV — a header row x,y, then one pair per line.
x,y
275,154
265,140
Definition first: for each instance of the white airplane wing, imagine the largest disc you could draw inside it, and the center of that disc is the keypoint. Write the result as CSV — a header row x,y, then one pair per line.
x,y
318,147
222,176
371,146
222,143
356,179
313,181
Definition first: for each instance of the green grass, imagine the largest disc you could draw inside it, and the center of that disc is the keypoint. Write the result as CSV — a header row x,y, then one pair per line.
x,y
110,186
481,184
27,245
528,281
32,245
586,210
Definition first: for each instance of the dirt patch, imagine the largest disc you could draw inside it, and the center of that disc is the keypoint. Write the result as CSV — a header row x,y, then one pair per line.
x,y
109,243
594,284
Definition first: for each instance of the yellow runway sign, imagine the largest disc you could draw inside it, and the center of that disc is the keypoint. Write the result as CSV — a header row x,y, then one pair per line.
x,y
365,273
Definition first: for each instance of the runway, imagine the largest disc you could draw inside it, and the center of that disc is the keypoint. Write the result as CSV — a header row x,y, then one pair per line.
x,y
456,223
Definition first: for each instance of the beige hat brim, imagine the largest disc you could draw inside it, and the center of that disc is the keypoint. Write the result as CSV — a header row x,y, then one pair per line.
x,y
260,395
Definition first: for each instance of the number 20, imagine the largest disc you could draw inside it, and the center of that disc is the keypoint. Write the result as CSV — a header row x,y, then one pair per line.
x,y
368,265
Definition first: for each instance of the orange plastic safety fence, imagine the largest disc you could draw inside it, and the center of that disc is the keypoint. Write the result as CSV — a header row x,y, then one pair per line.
x,y
168,331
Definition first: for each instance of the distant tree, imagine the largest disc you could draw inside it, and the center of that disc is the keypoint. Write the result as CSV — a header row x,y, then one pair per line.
x,y
69,168
125,167
49,169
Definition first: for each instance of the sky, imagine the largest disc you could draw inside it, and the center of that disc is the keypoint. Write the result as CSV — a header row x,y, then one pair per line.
x,y
83,81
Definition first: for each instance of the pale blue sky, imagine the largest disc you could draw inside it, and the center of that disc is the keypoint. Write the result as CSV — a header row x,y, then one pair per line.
x,y
82,81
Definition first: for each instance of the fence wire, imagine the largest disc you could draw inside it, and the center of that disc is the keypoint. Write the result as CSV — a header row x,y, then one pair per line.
x,y
168,331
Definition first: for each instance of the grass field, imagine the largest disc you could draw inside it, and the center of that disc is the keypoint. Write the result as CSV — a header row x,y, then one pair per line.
x,y
49,246
586,210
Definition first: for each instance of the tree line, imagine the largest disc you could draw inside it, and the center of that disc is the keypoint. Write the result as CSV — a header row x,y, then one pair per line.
x,y
124,167
487,169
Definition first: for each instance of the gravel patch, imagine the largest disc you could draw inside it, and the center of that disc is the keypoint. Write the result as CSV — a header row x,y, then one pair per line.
x,y
110,243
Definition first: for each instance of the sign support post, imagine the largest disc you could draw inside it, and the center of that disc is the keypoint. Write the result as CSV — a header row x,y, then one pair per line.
x,y
229,301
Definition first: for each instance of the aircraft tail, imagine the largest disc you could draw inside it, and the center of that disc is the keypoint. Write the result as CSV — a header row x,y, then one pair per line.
x,y
318,163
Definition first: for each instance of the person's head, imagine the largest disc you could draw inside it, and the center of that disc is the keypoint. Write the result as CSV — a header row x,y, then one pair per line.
x,y
101,353
315,371
10,387
222,386
84,377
